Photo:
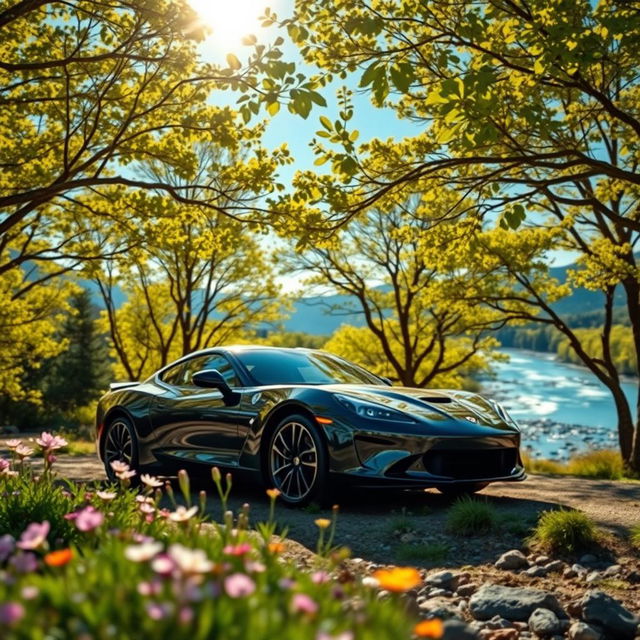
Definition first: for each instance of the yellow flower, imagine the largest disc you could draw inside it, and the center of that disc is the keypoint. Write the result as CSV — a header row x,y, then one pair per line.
x,y
276,547
398,579
323,523
273,493
429,628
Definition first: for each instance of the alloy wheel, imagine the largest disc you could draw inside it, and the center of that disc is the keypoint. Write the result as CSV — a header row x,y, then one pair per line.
x,y
119,444
293,461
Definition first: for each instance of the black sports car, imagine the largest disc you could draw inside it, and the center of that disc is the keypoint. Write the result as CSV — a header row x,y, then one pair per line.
x,y
302,418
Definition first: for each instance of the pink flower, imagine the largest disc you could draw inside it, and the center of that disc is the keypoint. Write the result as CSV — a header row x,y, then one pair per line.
x,y
106,495
142,552
239,585
50,442
320,577
11,612
4,465
29,592
185,615
237,550
151,481
51,458
12,444
146,508
302,603
88,519
158,611
163,564
34,535
24,562
7,545
182,514
23,451
150,588
190,561
119,466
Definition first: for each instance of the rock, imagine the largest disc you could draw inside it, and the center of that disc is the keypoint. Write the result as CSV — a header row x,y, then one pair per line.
x,y
467,589
554,566
513,603
617,621
569,573
588,558
583,631
512,560
536,571
574,609
579,569
542,560
633,577
500,634
444,580
435,593
438,608
594,576
612,571
498,623
457,630
544,623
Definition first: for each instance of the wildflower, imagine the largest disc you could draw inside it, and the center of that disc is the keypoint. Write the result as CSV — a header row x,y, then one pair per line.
x,y
163,564
182,514
5,465
237,550
190,561
302,603
158,611
150,481
29,592
429,628
398,579
12,444
34,536
254,567
142,552
106,495
146,508
275,547
119,466
144,500
322,523
239,585
273,493
286,583
10,613
150,588
51,458
58,558
24,562
320,577
88,519
50,442
7,545
22,451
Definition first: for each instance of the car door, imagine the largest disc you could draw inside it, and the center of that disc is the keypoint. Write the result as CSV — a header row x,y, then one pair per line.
x,y
194,424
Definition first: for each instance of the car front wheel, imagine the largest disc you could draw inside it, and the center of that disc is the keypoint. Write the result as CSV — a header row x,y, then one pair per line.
x,y
120,444
297,461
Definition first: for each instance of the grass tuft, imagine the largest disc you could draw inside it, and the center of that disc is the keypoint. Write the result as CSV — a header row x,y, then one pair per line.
x,y
564,531
634,538
469,517
425,552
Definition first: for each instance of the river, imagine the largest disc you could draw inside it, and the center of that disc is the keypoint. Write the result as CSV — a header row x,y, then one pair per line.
x,y
563,408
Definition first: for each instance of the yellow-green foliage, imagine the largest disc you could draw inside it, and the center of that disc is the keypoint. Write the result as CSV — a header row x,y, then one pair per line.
x,y
634,538
564,531
468,517
603,463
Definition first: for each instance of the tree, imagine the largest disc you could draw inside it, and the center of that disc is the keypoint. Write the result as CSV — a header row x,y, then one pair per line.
x,y
399,268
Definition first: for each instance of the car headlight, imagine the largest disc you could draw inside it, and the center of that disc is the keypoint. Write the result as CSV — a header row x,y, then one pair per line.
x,y
502,412
372,410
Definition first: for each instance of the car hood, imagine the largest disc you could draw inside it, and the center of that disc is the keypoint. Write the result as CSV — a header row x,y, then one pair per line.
x,y
429,404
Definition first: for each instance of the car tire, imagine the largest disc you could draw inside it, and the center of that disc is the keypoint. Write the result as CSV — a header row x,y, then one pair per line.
x,y
462,489
120,443
296,462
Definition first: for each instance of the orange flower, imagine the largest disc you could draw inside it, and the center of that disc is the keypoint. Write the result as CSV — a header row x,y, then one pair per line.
x,y
323,523
58,558
398,579
429,628
275,547
273,493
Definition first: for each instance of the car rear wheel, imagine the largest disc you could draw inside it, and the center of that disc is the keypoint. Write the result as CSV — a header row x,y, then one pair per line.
x,y
462,489
297,461
120,444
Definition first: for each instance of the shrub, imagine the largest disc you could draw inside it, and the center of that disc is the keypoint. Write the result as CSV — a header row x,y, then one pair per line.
x,y
605,464
468,517
564,531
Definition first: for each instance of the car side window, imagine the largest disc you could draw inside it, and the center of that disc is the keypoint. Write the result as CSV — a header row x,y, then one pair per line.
x,y
223,366
174,375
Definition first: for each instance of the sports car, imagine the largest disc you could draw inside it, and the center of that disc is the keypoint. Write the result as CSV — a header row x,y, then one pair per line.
x,y
304,421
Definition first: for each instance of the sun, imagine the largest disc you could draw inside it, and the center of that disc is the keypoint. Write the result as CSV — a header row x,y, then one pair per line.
x,y
230,20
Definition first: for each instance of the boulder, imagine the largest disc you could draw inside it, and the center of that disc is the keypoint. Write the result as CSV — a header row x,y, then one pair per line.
x,y
616,621
583,631
544,623
439,608
512,561
457,630
513,603
445,580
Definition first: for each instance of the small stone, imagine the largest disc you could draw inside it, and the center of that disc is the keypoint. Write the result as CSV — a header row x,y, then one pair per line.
x,y
498,623
438,608
588,558
594,576
555,566
603,610
569,573
579,569
536,571
583,631
466,590
612,571
458,630
574,609
501,634
444,580
544,623
512,560
435,593
542,560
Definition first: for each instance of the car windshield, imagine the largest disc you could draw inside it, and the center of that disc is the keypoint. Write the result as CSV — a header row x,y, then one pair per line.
x,y
302,367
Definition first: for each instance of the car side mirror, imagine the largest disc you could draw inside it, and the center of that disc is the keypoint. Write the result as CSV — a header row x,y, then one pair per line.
x,y
213,379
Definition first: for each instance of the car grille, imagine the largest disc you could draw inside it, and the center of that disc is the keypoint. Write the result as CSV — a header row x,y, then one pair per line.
x,y
471,463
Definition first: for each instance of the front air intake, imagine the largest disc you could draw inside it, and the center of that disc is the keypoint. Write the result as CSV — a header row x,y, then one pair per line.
x,y
471,463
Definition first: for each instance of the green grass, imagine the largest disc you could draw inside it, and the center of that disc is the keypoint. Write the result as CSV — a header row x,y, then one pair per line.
x,y
426,552
604,464
399,524
80,448
468,516
564,531
634,538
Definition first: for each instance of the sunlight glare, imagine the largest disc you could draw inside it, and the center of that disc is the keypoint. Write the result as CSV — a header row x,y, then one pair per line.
x,y
230,20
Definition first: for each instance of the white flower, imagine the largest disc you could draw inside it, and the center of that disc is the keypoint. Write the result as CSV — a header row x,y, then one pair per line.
x,y
151,481
106,495
182,514
119,467
142,552
190,560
